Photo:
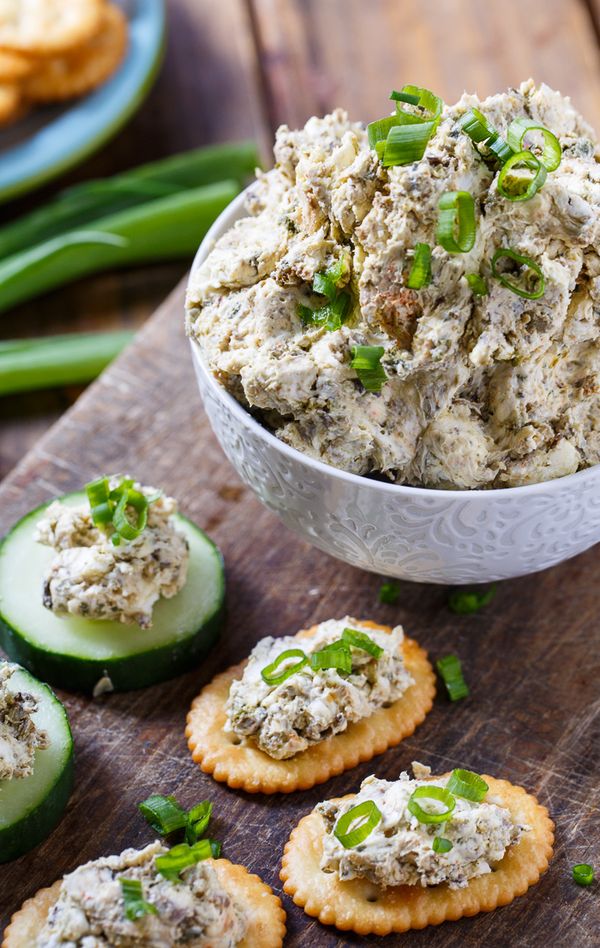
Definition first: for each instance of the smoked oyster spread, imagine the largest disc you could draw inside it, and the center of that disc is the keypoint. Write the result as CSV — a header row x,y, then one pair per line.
x,y
419,299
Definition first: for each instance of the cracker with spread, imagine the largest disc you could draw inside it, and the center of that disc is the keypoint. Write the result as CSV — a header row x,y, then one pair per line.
x,y
304,708
417,851
124,898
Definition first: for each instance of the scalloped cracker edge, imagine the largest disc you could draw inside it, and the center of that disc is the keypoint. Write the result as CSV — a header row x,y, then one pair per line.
x,y
264,912
360,906
242,765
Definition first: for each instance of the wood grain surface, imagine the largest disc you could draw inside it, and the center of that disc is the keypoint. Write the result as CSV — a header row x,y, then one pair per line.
x,y
237,68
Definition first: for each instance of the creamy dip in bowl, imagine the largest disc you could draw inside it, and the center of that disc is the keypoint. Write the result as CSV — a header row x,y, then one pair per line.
x,y
512,422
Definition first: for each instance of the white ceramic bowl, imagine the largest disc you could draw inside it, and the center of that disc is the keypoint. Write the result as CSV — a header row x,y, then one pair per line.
x,y
430,536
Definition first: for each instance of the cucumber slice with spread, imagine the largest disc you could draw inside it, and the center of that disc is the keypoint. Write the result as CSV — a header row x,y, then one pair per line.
x,y
73,652
30,807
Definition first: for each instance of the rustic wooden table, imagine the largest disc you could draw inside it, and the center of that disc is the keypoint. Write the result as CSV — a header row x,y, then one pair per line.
x,y
235,69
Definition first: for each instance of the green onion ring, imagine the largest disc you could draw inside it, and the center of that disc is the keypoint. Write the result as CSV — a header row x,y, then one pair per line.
x,y
164,814
522,160
524,261
134,902
456,224
366,361
121,523
499,148
477,284
335,655
363,641
476,126
551,155
407,143
404,97
479,130
466,784
271,676
420,272
450,669
583,873
178,858
431,104
369,815
431,793
441,845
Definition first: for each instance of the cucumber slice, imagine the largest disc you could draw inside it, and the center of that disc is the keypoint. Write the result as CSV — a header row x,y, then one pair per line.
x,y
73,652
30,807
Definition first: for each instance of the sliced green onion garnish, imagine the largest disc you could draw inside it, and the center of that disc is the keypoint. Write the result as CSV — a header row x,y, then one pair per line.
x,y
378,131
366,360
420,272
164,814
215,848
407,143
134,901
326,281
456,224
431,104
362,640
528,269
466,784
477,284
404,97
335,312
402,138
440,794
583,873
550,153
271,673
121,522
464,602
479,130
389,593
499,148
335,655
197,821
441,845
98,491
450,669
521,177
476,126
171,864
366,815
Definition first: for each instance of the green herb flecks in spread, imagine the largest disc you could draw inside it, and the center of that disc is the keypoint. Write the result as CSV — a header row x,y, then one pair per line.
x,y
286,713
93,576
424,834
94,909
491,365
19,735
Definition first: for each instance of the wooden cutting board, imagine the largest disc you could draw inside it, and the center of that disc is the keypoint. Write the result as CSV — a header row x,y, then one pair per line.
x,y
529,658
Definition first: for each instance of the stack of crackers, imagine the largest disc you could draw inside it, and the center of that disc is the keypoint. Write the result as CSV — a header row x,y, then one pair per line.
x,y
54,50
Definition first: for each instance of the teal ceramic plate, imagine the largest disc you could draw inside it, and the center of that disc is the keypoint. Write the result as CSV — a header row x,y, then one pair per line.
x,y
54,139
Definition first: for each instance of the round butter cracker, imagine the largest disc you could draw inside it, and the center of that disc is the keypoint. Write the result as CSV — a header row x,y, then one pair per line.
x,y
360,906
263,910
47,27
242,765
14,66
11,103
91,64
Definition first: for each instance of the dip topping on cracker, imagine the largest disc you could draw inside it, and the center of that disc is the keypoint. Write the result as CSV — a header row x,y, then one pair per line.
x,y
93,903
286,703
417,832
